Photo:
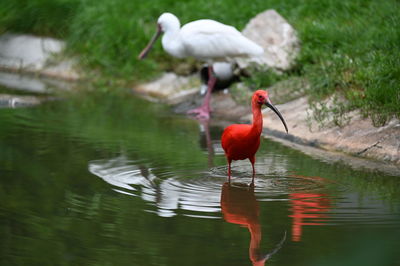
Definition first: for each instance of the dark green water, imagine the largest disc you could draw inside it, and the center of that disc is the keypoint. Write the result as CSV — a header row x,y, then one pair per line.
x,y
119,181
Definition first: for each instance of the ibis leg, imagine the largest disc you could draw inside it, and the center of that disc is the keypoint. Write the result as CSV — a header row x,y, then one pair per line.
x,y
203,112
229,170
253,160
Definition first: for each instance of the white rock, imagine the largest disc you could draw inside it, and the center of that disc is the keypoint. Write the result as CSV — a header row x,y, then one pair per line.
x,y
169,87
278,38
27,53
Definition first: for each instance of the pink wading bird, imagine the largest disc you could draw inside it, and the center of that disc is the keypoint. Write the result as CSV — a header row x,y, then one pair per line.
x,y
241,141
205,40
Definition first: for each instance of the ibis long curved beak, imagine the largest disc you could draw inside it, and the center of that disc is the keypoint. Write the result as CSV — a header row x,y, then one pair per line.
x,y
276,249
270,105
148,47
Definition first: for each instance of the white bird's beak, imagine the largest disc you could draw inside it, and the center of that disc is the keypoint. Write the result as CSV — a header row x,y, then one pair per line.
x,y
147,49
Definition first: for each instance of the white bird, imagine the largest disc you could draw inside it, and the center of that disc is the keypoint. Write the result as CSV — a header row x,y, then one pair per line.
x,y
206,40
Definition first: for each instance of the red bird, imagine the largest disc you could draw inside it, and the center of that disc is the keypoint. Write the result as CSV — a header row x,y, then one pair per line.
x,y
241,141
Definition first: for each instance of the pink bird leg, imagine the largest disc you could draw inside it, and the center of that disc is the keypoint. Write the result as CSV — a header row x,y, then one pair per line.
x,y
203,112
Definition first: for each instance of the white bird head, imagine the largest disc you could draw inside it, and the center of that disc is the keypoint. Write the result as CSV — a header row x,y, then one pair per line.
x,y
167,22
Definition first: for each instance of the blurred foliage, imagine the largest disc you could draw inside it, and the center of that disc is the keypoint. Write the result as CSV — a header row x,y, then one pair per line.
x,y
40,17
350,48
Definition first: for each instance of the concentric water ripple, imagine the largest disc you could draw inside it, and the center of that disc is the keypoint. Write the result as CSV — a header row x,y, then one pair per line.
x,y
197,193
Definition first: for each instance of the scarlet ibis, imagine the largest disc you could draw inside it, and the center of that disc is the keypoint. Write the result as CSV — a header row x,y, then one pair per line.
x,y
205,40
241,141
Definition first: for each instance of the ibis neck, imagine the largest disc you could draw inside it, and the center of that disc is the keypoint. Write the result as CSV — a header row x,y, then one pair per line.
x,y
172,43
255,239
257,119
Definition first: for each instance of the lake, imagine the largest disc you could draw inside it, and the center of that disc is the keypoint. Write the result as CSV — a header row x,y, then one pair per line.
x,y
110,179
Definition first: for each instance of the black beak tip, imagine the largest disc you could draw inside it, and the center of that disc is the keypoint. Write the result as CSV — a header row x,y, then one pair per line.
x,y
270,105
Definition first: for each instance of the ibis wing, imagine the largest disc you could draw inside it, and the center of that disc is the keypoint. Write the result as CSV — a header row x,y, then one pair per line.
x,y
205,39
233,136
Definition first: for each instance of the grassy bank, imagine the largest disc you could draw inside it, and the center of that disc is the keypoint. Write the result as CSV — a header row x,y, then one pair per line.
x,y
349,48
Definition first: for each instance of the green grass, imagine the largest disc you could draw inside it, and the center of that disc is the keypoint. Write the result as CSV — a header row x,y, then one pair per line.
x,y
350,48
40,17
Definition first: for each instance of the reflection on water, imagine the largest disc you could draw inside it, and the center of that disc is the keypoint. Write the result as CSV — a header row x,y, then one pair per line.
x,y
91,182
167,195
308,209
207,143
198,194
239,206
121,172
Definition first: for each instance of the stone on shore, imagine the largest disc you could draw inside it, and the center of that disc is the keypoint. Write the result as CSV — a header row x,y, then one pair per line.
x,y
31,54
278,38
359,137
169,88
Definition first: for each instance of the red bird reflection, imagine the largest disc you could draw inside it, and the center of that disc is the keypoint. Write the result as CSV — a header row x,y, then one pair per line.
x,y
307,206
239,206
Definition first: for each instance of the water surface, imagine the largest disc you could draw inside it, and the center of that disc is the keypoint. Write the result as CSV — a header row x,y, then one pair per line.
x,y
115,180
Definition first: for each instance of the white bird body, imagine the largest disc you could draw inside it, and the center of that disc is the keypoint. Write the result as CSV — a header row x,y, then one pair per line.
x,y
223,70
205,39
